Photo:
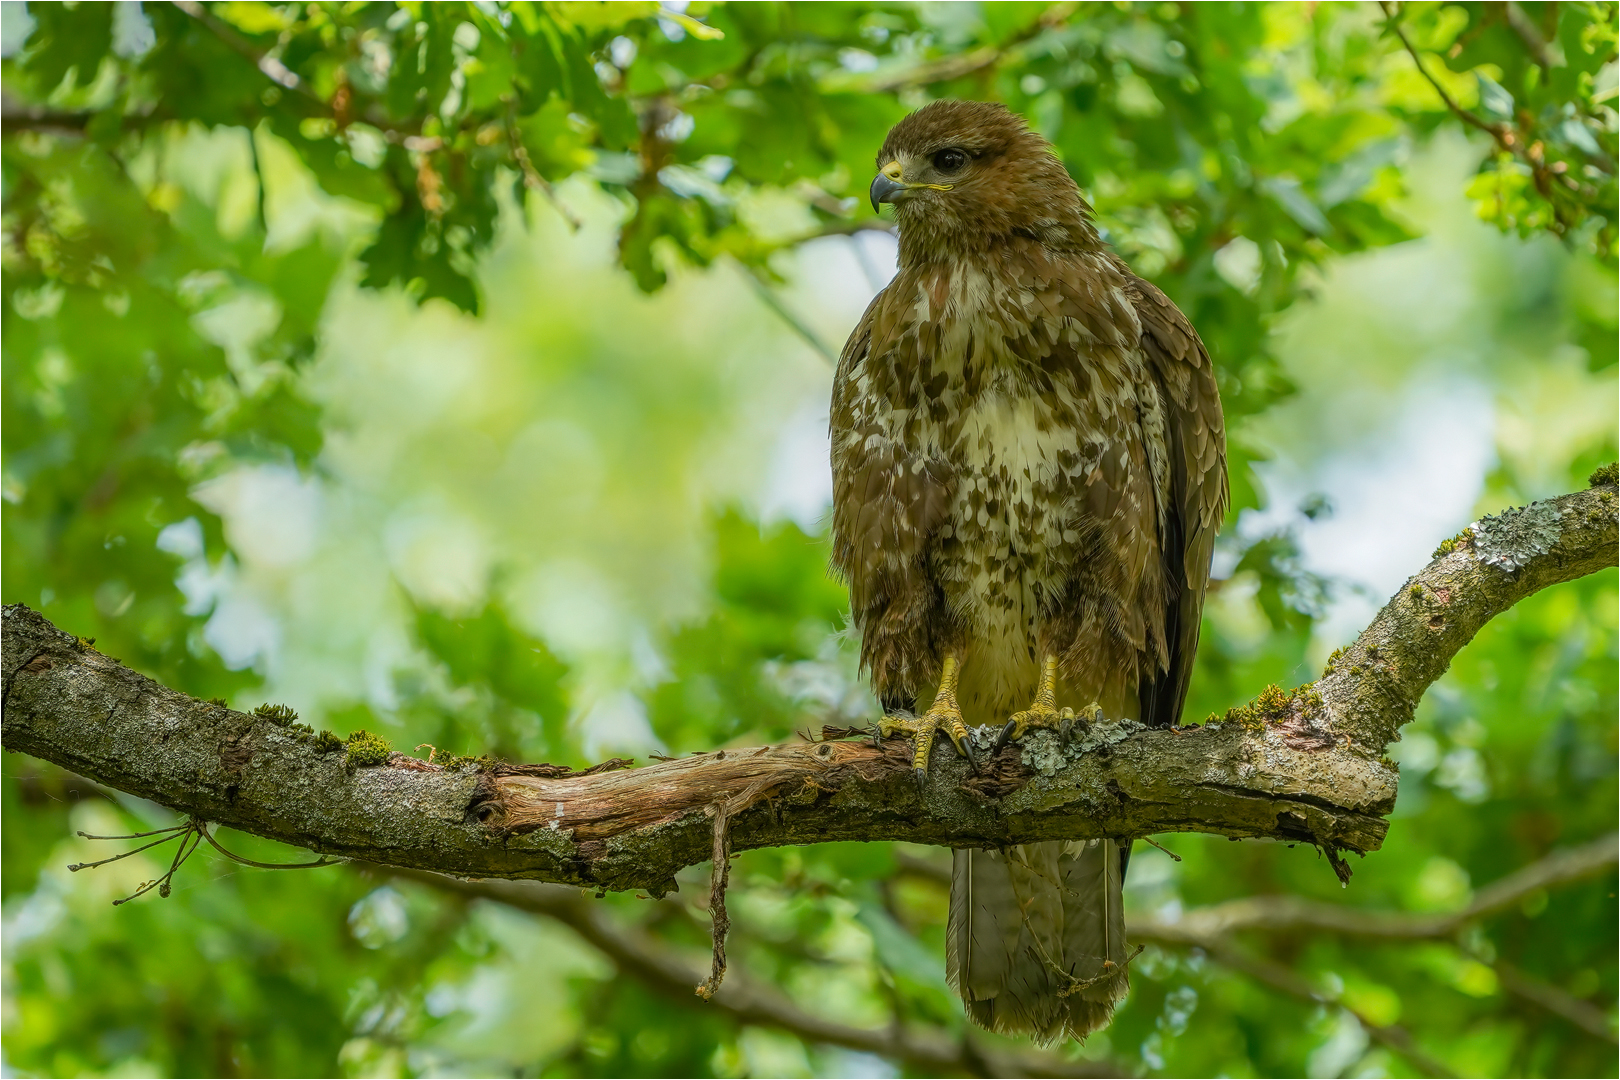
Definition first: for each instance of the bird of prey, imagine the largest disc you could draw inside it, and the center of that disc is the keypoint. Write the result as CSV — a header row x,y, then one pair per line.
x,y
1029,471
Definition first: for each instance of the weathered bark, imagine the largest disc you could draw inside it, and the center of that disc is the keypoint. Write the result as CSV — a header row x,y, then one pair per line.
x,y
1374,686
1307,767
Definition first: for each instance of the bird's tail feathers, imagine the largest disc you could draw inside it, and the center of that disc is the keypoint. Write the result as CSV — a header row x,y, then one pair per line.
x,y
1035,943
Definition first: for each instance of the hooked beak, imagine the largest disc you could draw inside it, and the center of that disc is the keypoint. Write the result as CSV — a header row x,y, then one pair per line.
x,y
883,189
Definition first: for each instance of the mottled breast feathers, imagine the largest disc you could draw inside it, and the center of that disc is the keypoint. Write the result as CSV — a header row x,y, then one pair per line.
x,y
1027,456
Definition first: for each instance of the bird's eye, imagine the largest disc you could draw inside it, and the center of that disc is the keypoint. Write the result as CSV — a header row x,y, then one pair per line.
x,y
949,159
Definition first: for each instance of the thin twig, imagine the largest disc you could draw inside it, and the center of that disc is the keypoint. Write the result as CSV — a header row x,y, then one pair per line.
x,y
269,66
173,835
258,180
189,842
774,302
1162,848
1495,131
202,827
192,833
1506,137
531,175
136,835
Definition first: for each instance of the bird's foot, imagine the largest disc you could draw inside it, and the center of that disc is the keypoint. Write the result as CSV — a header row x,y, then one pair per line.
x,y
1043,714
942,716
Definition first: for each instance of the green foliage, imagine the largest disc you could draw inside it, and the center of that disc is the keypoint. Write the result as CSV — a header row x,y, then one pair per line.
x,y
732,675
521,677
190,202
1539,80
1290,596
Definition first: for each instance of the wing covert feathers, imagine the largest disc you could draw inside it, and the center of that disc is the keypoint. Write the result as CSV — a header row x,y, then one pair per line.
x,y
1198,491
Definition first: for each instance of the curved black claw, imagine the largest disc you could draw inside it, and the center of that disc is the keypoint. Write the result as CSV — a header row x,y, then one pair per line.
x,y
1002,739
972,758
921,777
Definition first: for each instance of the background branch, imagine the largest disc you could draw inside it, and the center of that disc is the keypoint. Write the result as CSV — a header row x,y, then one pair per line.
x,y
641,957
1211,929
1278,914
1288,982
959,65
1508,138
1559,1002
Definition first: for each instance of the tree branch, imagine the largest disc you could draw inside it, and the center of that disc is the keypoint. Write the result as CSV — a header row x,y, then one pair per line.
x,y
1291,983
1583,1014
1210,929
267,63
1305,768
1536,45
956,66
1278,914
1507,138
639,956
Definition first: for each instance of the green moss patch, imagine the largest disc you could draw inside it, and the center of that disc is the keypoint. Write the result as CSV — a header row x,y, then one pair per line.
x,y
1333,660
364,749
1462,540
280,714
1273,705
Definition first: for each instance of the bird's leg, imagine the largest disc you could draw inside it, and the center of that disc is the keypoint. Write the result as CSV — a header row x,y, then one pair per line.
x,y
1043,713
943,713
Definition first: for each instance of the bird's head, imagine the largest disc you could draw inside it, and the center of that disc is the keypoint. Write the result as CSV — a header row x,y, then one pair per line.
x,y
964,176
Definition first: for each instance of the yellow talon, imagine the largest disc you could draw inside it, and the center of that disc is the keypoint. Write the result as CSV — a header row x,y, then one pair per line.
x,y
1043,712
942,714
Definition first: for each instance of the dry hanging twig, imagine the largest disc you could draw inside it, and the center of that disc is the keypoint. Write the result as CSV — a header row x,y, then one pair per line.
x,y
719,878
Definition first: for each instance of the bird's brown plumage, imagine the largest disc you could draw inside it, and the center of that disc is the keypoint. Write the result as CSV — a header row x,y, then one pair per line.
x,y
1028,460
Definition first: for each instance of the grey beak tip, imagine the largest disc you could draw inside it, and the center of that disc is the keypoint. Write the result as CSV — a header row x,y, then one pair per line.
x,y
882,188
